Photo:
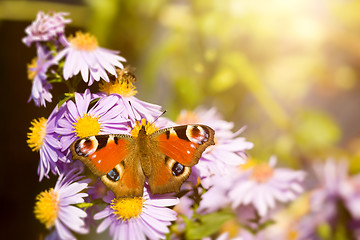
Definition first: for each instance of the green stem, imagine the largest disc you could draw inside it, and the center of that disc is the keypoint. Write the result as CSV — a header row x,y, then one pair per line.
x,y
248,76
69,86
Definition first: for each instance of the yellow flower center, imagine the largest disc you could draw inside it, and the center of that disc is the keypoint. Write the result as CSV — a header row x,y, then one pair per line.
x,y
301,206
127,208
31,69
37,133
149,127
231,227
46,207
292,235
187,117
122,85
87,126
250,163
262,172
83,41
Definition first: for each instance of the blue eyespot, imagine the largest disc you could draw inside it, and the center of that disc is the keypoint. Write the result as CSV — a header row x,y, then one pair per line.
x,y
177,169
113,175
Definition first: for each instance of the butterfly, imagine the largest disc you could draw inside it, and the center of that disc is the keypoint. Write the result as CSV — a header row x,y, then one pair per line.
x,y
164,158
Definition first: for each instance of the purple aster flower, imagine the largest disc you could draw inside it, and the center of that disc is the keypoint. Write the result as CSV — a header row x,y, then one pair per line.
x,y
307,225
217,196
336,188
228,151
37,73
105,117
82,54
351,193
141,108
184,206
286,222
42,138
97,190
46,27
139,217
55,207
135,109
123,86
332,179
263,185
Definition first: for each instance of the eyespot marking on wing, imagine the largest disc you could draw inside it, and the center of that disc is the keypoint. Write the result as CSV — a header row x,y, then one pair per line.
x,y
86,146
113,175
197,134
177,169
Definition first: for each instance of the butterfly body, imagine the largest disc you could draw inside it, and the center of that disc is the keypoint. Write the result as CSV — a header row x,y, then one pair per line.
x,y
163,158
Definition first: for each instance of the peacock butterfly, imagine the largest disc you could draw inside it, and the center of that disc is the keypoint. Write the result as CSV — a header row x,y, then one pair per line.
x,y
163,157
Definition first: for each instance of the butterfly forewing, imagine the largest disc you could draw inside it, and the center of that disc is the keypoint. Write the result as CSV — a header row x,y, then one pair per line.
x,y
101,153
186,143
178,148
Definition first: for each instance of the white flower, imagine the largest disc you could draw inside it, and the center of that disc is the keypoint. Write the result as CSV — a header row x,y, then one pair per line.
x,y
263,185
139,217
46,27
84,55
54,208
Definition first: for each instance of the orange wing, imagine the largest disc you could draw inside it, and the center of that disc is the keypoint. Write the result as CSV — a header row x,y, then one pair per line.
x,y
110,158
178,149
101,153
186,143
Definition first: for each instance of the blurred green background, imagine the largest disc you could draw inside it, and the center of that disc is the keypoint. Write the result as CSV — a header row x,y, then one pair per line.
x,y
287,69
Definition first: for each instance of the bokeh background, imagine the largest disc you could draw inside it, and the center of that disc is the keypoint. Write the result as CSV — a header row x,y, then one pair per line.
x,y
287,69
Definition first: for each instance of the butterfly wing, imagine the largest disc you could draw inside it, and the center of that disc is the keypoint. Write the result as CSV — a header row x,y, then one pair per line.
x,y
179,148
111,158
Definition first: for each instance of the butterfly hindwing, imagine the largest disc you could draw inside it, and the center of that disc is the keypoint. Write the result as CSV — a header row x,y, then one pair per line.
x,y
111,158
168,178
125,179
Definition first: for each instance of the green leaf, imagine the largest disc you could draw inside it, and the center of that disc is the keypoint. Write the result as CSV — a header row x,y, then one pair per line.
x,y
84,205
66,97
188,92
324,231
53,74
247,74
223,80
206,225
265,225
55,80
316,130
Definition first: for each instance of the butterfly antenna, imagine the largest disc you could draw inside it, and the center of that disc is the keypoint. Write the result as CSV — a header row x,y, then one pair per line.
x,y
132,109
160,116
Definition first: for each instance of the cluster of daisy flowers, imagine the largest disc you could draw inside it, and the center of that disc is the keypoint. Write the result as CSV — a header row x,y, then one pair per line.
x,y
224,188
